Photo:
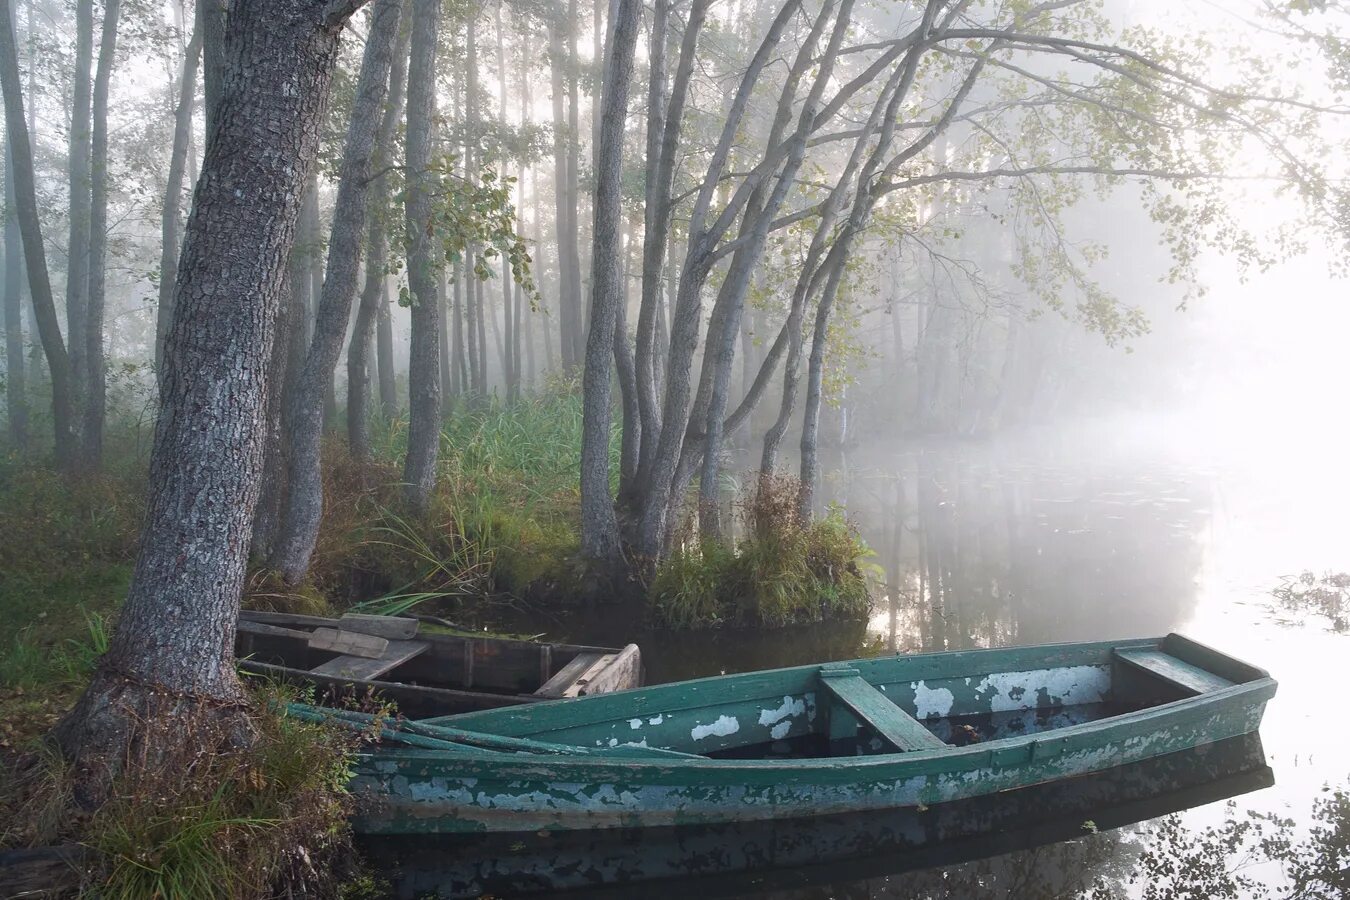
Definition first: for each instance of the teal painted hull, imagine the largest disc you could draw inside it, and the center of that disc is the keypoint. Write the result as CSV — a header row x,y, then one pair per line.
x,y
657,756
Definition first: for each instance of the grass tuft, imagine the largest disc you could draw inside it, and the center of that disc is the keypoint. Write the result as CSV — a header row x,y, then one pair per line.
x,y
785,570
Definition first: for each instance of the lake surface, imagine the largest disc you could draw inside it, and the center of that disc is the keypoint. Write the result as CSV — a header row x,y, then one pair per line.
x,y
1041,537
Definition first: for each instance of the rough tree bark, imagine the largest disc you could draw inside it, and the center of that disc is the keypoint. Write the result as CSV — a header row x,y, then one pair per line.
x,y
96,387
303,505
377,249
599,529
34,251
424,385
172,218
169,672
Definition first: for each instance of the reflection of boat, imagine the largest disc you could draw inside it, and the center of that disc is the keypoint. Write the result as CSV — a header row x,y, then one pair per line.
x,y
425,672
812,740
792,853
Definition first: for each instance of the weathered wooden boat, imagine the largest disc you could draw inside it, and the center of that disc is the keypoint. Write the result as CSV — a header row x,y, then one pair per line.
x,y
744,858
426,673
871,734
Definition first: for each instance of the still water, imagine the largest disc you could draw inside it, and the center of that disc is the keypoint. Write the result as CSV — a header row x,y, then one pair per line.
x,y
1033,538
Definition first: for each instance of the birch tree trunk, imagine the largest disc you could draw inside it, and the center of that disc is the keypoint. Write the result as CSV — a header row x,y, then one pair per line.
x,y
168,681
424,387
304,432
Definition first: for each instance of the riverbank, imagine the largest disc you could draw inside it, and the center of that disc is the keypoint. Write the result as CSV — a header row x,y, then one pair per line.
x,y
502,524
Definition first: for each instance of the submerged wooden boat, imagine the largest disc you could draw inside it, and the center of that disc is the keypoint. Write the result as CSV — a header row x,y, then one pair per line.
x,y
873,734
426,673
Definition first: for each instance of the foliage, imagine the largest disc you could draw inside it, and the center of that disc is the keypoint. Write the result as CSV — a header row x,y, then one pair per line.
x,y
784,571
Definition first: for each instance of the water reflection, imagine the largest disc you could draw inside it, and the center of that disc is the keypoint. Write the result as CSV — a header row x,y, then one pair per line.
x,y
981,549
1052,840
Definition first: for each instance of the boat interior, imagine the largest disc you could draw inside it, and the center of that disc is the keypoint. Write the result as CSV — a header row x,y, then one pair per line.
x,y
880,705
332,651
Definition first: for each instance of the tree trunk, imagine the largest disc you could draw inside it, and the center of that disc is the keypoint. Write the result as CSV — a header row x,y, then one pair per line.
x,y
96,388
384,353
510,340
304,432
16,385
372,302
170,671
460,360
663,136
572,238
599,529
444,300
424,387
34,251
276,449
77,246
565,222
171,220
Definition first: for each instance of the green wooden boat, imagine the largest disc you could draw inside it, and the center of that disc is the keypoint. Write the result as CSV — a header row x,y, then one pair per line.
x,y
872,734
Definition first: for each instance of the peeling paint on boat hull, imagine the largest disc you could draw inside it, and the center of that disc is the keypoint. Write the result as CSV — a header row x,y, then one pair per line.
x,y
410,792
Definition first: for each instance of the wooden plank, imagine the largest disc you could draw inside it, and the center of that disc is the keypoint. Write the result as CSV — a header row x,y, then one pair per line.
x,y
391,627
356,667
262,628
892,723
348,643
621,671
567,676
1170,669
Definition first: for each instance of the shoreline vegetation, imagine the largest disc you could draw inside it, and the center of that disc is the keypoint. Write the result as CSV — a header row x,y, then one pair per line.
x,y
504,520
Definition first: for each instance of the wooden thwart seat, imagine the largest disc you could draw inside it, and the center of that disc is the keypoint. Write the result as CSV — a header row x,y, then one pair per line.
x,y
1192,679
855,701
364,668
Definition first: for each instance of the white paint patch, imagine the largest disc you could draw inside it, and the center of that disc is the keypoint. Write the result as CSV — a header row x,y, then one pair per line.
x,y
789,709
635,724
932,701
724,726
641,743
1071,685
656,720
614,742
780,731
